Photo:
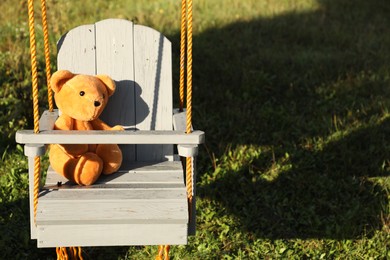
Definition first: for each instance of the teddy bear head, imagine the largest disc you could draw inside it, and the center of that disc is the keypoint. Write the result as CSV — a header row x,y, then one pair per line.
x,y
82,97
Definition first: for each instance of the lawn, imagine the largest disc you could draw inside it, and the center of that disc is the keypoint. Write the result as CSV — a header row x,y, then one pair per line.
x,y
294,98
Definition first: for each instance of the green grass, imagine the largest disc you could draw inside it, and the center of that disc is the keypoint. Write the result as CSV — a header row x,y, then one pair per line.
x,y
294,98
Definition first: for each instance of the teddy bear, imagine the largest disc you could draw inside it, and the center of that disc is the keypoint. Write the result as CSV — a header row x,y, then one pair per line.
x,y
81,99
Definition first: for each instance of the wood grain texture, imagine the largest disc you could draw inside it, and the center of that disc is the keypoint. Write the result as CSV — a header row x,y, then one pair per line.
x,y
130,173
129,208
153,73
47,120
179,120
108,137
115,57
112,235
31,164
76,50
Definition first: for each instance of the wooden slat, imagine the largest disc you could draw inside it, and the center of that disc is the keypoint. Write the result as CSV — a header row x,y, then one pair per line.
x,y
153,73
128,208
76,50
114,57
179,120
112,235
155,167
31,181
47,120
90,195
107,137
131,173
123,212
114,50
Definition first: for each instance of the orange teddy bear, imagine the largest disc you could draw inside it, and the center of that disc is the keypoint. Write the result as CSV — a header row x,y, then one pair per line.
x,y
81,99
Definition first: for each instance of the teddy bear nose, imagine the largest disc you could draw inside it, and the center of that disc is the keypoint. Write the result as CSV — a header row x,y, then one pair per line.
x,y
96,103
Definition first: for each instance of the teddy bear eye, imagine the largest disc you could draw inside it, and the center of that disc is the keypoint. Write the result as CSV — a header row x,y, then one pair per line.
x,y
82,93
104,96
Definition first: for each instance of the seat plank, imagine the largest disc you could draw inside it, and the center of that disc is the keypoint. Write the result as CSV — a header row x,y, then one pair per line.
x,y
112,235
103,195
141,196
114,210
131,173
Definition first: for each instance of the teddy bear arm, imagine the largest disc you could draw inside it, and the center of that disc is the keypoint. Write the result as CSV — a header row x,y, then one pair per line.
x,y
64,122
98,124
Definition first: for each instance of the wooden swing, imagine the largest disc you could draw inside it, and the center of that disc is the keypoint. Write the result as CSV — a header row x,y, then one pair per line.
x,y
151,200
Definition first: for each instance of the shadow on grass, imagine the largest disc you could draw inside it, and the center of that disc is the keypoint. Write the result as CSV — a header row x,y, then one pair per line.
x,y
295,82
15,233
324,194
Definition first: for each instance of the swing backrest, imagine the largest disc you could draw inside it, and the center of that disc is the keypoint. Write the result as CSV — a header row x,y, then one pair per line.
x,y
138,59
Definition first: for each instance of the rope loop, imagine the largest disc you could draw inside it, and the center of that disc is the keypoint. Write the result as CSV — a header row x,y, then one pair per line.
x,y
163,252
65,253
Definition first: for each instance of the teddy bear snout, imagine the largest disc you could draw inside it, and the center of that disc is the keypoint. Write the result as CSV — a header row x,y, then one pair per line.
x,y
96,103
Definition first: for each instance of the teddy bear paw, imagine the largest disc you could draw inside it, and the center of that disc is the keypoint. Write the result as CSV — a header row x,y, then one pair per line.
x,y
118,128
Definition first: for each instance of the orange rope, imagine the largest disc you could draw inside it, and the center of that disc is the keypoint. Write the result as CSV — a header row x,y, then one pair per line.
x,y
47,54
182,52
34,66
185,48
189,100
163,251
34,76
64,253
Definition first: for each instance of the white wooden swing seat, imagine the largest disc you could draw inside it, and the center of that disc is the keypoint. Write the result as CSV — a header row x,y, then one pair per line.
x,y
145,202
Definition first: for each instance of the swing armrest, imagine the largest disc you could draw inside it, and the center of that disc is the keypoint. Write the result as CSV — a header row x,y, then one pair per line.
x,y
109,137
187,143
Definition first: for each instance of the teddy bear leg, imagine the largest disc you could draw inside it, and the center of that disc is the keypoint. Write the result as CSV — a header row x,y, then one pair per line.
x,y
88,169
62,162
83,170
111,156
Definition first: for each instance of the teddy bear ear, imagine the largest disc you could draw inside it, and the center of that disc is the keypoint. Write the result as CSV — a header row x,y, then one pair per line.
x,y
110,84
59,78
